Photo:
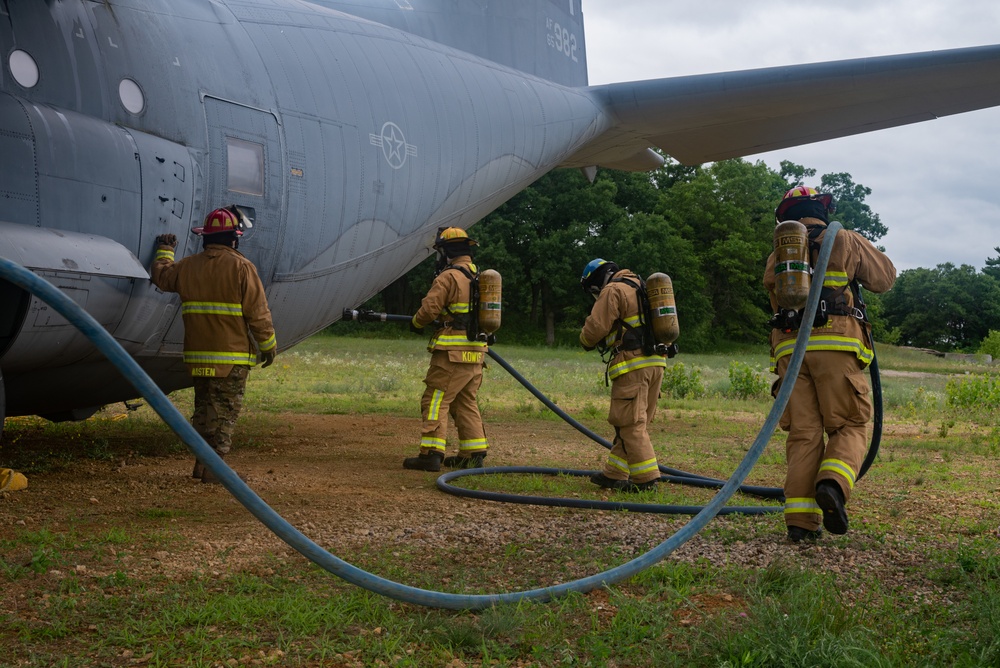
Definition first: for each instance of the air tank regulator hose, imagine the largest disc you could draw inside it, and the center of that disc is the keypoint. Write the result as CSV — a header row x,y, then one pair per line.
x,y
106,344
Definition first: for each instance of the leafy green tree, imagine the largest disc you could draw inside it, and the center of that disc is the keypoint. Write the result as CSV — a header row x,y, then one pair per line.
x,y
991,344
709,227
852,212
992,267
795,175
947,308
537,242
727,212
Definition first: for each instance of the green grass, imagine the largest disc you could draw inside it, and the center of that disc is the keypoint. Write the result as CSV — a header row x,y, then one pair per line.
x,y
938,605
673,614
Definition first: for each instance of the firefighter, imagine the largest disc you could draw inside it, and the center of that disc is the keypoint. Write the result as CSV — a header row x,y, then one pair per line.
x,y
226,322
456,367
831,393
613,326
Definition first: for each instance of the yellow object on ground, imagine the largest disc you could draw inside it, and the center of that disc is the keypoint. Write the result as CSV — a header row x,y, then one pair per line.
x,y
12,481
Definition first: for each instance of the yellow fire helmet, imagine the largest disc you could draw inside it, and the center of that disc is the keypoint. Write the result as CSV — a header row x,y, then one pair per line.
x,y
447,235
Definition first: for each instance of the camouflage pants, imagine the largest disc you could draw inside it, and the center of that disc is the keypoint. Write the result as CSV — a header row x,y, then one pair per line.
x,y
217,405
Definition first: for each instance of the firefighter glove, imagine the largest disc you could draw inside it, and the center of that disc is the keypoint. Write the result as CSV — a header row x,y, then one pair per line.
x,y
415,329
167,240
267,357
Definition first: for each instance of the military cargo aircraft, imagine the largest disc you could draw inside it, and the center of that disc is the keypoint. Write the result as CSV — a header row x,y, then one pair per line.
x,y
348,131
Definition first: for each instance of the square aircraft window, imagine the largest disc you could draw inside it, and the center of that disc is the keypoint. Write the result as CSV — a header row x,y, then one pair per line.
x,y
246,166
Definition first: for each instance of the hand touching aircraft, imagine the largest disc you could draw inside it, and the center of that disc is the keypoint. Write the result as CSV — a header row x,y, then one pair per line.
x,y
348,132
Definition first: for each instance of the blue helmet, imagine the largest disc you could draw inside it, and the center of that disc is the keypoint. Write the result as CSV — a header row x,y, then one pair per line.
x,y
595,275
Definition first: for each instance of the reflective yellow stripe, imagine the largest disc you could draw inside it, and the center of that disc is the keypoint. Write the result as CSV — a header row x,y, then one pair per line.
x,y
164,253
435,407
826,342
455,340
632,321
473,445
802,505
643,467
458,307
214,308
267,344
217,357
625,366
835,279
841,468
618,463
432,442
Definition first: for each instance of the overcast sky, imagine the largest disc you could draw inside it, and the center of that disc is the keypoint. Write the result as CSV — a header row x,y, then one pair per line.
x,y
935,185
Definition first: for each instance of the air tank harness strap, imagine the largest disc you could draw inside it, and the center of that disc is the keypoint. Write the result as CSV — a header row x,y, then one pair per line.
x,y
631,331
832,299
460,320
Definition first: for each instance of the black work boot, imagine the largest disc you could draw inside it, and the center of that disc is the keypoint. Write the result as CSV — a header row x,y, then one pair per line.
x,y
622,485
461,462
831,500
642,486
604,481
428,462
798,534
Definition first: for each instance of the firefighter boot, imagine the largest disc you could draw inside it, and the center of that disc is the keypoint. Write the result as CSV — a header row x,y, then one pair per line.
x,y
426,462
831,500
460,462
206,474
642,486
199,469
798,534
602,480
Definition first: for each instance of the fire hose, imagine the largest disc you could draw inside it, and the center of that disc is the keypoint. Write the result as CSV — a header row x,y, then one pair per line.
x,y
106,344
669,475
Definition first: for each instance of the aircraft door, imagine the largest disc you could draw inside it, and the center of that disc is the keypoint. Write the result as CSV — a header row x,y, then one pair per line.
x,y
168,197
245,168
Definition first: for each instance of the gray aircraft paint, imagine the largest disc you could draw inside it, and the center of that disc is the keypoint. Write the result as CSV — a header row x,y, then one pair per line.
x,y
349,131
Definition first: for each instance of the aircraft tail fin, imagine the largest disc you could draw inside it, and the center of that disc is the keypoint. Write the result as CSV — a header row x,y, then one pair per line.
x,y
540,37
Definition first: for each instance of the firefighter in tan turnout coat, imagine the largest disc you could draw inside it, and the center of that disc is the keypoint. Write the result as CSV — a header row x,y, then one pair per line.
x,y
456,367
831,393
226,322
614,326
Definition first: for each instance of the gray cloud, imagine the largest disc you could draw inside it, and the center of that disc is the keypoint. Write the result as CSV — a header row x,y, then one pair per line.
x,y
935,185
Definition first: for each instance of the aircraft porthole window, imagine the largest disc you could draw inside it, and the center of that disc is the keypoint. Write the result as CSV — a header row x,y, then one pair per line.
x,y
245,166
23,68
131,96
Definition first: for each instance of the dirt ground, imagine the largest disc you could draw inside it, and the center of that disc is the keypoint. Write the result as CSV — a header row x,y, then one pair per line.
x,y
339,479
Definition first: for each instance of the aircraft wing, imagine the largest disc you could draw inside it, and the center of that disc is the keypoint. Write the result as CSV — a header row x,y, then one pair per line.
x,y
704,118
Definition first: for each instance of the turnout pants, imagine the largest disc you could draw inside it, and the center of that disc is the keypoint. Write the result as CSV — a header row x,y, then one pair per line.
x,y
451,390
633,406
831,397
217,405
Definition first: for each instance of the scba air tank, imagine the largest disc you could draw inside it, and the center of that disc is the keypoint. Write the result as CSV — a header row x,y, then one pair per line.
x,y
489,301
663,309
792,275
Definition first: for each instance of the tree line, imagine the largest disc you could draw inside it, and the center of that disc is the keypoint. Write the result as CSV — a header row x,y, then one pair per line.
x,y
710,228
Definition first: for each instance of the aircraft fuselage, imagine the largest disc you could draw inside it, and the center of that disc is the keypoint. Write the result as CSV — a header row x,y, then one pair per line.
x,y
348,142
